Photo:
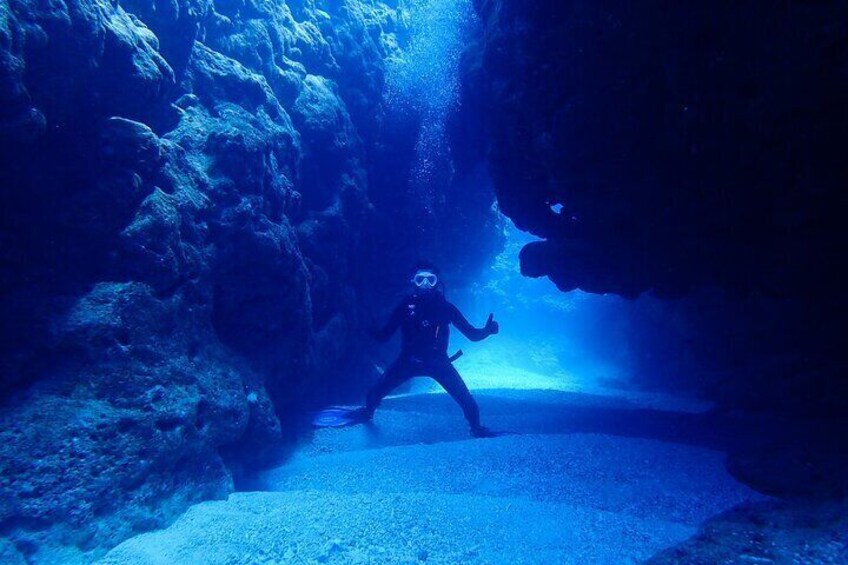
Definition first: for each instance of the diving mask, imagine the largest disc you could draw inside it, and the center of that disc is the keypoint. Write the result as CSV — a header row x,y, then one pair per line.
x,y
425,279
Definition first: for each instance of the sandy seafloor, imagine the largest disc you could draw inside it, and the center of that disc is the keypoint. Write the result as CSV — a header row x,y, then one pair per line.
x,y
590,475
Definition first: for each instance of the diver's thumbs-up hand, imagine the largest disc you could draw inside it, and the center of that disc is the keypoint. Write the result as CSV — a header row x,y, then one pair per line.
x,y
491,325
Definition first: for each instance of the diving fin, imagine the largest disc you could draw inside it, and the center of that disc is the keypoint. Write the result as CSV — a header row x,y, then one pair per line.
x,y
340,416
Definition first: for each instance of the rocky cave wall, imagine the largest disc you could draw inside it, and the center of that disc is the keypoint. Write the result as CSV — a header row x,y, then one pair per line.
x,y
689,150
194,200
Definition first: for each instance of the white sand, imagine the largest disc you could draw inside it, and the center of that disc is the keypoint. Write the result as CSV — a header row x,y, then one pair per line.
x,y
380,495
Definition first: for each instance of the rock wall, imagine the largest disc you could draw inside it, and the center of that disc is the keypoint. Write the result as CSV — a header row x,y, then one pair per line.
x,y
687,145
672,147
195,199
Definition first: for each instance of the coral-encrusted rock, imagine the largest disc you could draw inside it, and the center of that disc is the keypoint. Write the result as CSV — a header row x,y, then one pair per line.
x,y
9,553
218,78
261,301
101,44
126,448
153,241
129,143
187,221
175,24
329,140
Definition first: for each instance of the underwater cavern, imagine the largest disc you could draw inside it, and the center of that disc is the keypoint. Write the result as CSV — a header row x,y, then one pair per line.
x,y
625,223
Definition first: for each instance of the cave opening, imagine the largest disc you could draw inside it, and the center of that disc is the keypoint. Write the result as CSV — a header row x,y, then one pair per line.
x,y
548,340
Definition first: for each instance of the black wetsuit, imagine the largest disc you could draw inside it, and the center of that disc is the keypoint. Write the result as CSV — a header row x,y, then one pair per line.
x,y
424,321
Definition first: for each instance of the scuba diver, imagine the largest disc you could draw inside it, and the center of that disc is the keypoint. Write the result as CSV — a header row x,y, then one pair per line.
x,y
424,320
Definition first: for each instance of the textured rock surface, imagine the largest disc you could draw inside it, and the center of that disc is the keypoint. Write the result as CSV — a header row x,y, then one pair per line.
x,y
688,145
189,222
768,532
670,147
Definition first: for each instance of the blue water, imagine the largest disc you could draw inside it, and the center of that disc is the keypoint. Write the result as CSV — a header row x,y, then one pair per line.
x,y
423,77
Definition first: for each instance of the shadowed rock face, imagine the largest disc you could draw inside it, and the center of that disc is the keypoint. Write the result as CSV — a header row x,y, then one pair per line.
x,y
688,144
190,230
668,147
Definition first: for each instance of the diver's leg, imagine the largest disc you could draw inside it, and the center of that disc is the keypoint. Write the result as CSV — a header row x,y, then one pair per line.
x,y
452,382
392,377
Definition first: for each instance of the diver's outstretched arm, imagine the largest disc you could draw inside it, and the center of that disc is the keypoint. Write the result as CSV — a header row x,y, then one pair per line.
x,y
469,331
384,333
